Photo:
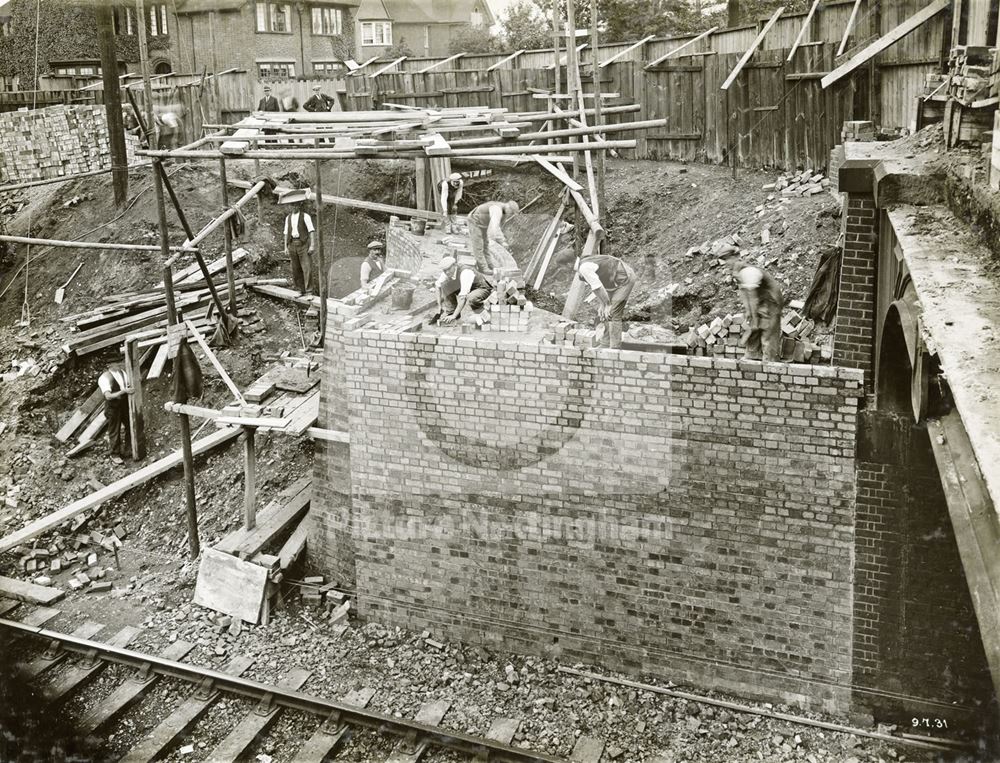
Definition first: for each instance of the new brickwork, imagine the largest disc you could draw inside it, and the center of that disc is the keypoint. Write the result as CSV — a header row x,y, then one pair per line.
x,y
855,332
691,518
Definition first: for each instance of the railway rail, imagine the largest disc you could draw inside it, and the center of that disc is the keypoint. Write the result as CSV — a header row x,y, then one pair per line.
x,y
414,738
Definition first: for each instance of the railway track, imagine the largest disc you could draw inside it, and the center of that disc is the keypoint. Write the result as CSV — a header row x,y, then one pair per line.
x,y
68,662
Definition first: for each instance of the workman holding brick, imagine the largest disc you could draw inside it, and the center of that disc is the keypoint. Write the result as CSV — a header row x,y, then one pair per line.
x,y
611,280
450,192
374,264
459,287
113,384
299,241
485,223
762,302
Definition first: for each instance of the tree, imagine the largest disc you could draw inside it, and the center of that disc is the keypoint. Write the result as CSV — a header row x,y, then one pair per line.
x,y
525,28
474,39
625,20
398,50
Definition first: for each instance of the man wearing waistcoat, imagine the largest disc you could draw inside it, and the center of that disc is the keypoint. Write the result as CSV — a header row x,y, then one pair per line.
x,y
300,242
374,264
611,280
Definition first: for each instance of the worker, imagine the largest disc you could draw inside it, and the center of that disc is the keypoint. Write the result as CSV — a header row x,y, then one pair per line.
x,y
374,264
762,303
300,241
485,223
114,387
450,193
171,130
319,101
268,102
458,288
611,280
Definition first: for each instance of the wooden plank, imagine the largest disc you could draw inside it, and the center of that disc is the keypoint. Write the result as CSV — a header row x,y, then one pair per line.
x,y
559,173
249,479
181,719
29,592
273,525
128,692
803,30
264,422
41,616
80,415
215,362
440,63
230,585
136,416
627,50
295,545
329,734
849,28
158,364
92,501
305,415
502,61
255,722
430,714
679,48
298,491
53,656
884,42
387,67
752,49
79,674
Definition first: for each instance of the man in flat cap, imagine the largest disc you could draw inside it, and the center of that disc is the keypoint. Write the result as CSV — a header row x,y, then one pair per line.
x,y
319,101
268,102
374,264
299,240
450,192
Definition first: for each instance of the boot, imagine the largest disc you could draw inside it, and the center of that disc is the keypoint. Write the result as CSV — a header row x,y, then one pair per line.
x,y
614,332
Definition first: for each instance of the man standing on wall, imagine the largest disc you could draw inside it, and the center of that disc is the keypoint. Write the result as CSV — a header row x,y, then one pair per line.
x,y
450,193
319,101
299,241
374,264
762,302
268,102
458,288
611,281
485,223
114,387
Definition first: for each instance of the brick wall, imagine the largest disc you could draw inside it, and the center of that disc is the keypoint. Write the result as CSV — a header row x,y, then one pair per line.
x,y
55,141
854,337
402,250
687,517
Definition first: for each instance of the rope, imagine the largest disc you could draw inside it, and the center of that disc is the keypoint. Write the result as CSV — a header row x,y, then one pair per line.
x,y
25,308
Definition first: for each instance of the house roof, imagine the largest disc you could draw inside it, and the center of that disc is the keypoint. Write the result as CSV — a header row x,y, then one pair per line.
x,y
425,11
204,6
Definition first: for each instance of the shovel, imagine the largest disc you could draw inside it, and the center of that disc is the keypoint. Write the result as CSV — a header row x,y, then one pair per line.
x,y
61,291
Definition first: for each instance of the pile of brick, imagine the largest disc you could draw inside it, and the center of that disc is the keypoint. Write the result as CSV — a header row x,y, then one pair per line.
x,y
318,593
857,132
506,309
70,548
970,72
727,337
806,183
54,142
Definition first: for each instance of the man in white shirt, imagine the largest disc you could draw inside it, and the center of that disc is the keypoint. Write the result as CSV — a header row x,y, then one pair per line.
x,y
300,243
114,386
611,281
374,264
762,302
484,226
459,287
450,193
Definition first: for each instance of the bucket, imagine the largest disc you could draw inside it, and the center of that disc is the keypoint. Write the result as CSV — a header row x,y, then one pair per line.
x,y
402,297
418,227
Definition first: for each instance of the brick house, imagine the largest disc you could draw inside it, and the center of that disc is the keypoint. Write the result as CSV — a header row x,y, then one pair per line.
x,y
423,26
268,39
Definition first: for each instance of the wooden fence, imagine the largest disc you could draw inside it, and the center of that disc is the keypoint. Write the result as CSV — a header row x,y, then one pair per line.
x,y
775,114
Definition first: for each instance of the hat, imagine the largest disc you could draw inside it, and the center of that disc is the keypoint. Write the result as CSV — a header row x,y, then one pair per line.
x,y
267,88
293,196
375,245
316,87
447,263
455,176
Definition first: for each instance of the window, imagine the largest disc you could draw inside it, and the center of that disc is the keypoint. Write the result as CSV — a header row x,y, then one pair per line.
x,y
327,67
6,28
376,33
327,21
274,17
272,69
157,20
77,69
124,21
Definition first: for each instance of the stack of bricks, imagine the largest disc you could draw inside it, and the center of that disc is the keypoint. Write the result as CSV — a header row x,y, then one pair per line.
x,y
854,335
55,142
970,73
724,337
506,309
857,132
806,183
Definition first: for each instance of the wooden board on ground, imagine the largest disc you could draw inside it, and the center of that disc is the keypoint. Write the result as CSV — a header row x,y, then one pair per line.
x,y
230,585
295,380
47,659
113,490
71,679
329,733
80,415
296,495
29,592
429,714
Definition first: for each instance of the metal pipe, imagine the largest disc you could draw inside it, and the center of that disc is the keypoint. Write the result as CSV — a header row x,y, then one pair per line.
x,y
88,244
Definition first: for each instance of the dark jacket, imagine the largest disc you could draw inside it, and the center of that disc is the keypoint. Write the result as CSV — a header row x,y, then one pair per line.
x,y
319,102
268,103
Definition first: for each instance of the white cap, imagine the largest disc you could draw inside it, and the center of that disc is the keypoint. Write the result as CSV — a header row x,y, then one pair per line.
x,y
375,245
455,176
316,87
447,263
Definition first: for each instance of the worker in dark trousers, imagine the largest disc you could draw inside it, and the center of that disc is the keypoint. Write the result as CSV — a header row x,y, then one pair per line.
x,y
762,303
374,264
485,223
114,387
459,287
450,192
611,281
299,241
